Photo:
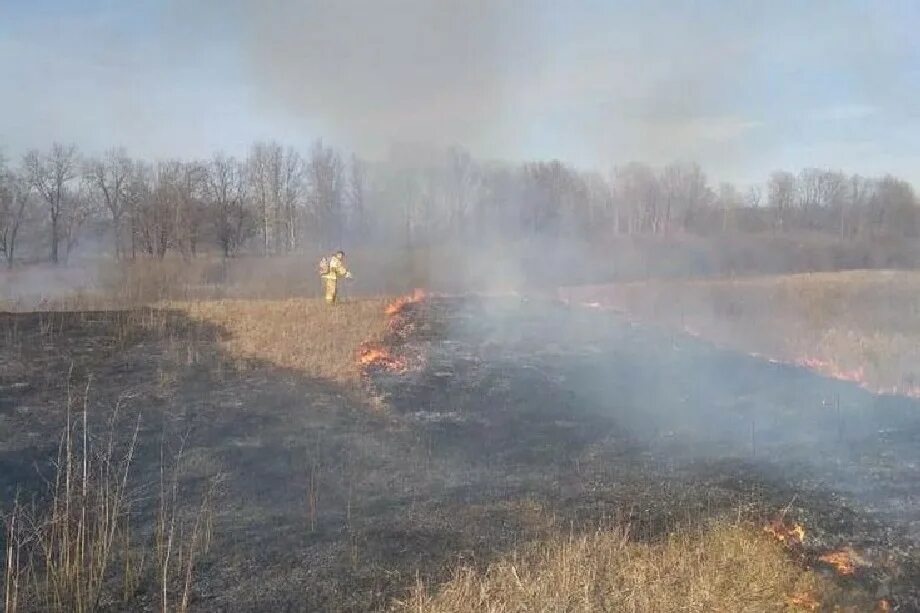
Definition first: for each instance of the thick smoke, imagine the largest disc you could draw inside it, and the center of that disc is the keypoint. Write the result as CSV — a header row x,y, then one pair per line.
x,y
506,80
377,73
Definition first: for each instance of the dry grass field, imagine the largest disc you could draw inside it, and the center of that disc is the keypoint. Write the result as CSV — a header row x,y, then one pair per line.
x,y
220,363
862,326
303,334
726,567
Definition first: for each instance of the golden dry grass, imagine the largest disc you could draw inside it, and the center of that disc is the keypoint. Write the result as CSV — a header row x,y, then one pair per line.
x,y
725,568
863,325
303,334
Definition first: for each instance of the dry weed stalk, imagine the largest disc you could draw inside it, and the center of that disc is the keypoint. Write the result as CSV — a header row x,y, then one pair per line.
x,y
312,496
176,551
73,551
59,556
14,572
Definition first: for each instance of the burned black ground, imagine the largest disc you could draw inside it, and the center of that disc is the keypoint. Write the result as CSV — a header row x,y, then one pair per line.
x,y
670,430
522,419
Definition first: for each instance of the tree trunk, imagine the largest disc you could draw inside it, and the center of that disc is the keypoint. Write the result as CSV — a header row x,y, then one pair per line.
x,y
54,239
133,235
116,227
10,248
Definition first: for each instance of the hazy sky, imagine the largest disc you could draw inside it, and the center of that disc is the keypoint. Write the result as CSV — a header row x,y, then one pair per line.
x,y
741,87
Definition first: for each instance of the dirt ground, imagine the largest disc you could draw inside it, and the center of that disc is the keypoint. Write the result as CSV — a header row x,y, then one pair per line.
x,y
516,420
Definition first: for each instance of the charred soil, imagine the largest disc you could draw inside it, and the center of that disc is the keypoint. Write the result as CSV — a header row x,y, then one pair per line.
x,y
510,422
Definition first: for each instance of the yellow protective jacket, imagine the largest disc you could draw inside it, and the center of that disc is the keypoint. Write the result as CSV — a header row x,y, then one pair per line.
x,y
336,270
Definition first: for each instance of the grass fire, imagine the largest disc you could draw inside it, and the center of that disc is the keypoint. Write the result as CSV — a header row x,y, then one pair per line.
x,y
459,307
342,410
379,356
791,536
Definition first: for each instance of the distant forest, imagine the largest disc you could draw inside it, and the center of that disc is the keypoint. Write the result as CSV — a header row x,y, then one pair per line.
x,y
280,200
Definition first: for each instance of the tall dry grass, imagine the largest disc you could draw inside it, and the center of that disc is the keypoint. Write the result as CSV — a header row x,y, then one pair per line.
x,y
131,283
61,553
724,568
306,335
864,325
80,546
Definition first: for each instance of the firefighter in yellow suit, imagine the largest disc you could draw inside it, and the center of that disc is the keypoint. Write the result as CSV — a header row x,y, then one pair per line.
x,y
333,270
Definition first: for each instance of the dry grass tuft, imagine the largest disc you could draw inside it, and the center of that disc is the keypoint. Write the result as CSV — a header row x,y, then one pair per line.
x,y
79,548
726,568
302,334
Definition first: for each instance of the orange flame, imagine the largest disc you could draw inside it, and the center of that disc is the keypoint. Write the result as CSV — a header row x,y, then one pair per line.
x,y
843,561
883,606
829,368
790,536
804,600
373,355
399,304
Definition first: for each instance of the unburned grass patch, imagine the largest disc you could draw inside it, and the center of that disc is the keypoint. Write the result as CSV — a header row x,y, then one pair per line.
x,y
857,325
726,567
304,334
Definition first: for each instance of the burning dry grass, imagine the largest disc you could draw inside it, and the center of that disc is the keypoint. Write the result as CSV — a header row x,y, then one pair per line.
x,y
373,354
861,326
725,568
844,561
302,334
397,306
789,535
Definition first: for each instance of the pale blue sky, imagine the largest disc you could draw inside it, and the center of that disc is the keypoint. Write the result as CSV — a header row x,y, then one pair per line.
x,y
741,87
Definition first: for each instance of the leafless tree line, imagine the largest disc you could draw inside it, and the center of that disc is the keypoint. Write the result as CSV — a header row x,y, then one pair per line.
x,y
277,200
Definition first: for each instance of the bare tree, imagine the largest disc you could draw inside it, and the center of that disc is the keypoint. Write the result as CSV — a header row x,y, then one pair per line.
x,y
259,166
548,189
325,175
781,195
463,179
894,207
356,196
854,206
107,177
637,193
80,208
288,194
190,209
753,197
685,192
137,195
601,214
818,191
728,200
50,174
155,203
15,199
226,200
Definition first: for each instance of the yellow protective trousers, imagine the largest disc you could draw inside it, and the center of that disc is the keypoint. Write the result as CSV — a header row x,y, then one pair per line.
x,y
330,289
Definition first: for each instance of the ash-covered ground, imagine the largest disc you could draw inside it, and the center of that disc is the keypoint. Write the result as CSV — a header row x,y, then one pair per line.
x,y
515,420
668,429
